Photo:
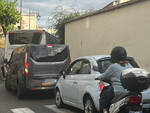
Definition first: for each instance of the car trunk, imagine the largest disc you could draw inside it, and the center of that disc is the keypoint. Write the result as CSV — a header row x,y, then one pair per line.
x,y
48,61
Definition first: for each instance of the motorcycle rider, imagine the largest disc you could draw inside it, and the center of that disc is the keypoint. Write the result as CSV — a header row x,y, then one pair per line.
x,y
112,75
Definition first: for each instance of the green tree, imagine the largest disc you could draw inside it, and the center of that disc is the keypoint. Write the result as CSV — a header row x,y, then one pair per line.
x,y
62,16
59,19
8,14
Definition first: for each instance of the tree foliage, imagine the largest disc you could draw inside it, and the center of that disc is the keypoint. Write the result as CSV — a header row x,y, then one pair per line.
x,y
62,16
59,19
8,14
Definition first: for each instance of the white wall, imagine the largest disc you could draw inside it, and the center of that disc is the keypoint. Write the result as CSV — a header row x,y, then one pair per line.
x,y
128,27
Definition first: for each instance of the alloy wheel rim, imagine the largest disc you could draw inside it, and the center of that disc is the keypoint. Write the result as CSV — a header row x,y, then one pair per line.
x,y
88,107
58,98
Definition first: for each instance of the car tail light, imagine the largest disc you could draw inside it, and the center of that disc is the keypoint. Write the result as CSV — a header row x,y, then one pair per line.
x,y
48,45
101,85
135,99
11,32
26,65
6,67
33,88
40,31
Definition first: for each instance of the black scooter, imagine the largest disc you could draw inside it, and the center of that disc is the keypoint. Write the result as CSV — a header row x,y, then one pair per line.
x,y
135,80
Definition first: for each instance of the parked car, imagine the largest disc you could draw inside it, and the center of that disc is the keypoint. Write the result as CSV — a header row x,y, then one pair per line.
x,y
77,85
36,67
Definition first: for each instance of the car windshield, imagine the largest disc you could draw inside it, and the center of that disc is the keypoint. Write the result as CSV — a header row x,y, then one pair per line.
x,y
104,64
26,37
49,53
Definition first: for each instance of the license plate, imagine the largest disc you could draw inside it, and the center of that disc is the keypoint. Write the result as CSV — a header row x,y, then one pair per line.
x,y
135,111
48,83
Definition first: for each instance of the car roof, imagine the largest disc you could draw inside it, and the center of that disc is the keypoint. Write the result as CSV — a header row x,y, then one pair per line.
x,y
95,57
40,45
22,31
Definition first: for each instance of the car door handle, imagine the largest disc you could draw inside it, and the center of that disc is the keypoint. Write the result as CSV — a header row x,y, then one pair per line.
x,y
75,82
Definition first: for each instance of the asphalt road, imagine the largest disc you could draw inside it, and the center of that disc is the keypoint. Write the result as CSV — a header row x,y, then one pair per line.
x,y
36,103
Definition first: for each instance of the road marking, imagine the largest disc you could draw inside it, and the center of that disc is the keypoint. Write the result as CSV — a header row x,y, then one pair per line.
x,y
22,110
54,108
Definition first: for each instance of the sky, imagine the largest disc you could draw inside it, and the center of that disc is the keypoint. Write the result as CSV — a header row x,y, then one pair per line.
x,y
46,8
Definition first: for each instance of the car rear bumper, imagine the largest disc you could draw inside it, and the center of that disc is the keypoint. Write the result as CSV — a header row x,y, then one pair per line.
x,y
42,88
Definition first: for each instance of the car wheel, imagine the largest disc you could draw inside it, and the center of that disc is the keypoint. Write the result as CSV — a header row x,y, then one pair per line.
x,y
7,85
89,105
58,100
20,91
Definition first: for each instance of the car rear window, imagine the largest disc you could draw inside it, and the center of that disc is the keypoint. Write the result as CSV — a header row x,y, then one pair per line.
x,y
25,37
49,53
104,64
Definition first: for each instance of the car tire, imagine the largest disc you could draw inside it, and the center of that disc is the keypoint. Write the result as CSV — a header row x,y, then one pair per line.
x,y
7,85
89,105
21,91
58,100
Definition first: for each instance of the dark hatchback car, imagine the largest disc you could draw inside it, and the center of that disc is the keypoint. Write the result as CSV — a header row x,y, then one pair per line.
x,y
36,67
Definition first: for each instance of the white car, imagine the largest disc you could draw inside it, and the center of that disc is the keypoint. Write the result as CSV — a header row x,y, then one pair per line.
x,y
77,85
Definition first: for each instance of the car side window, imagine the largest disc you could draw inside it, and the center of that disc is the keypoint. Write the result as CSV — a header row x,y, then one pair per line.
x,y
75,68
47,38
50,39
104,64
85,68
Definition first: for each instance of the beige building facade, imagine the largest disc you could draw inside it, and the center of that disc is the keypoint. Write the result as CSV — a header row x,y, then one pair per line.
x,y
2,38
127,25
28,22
